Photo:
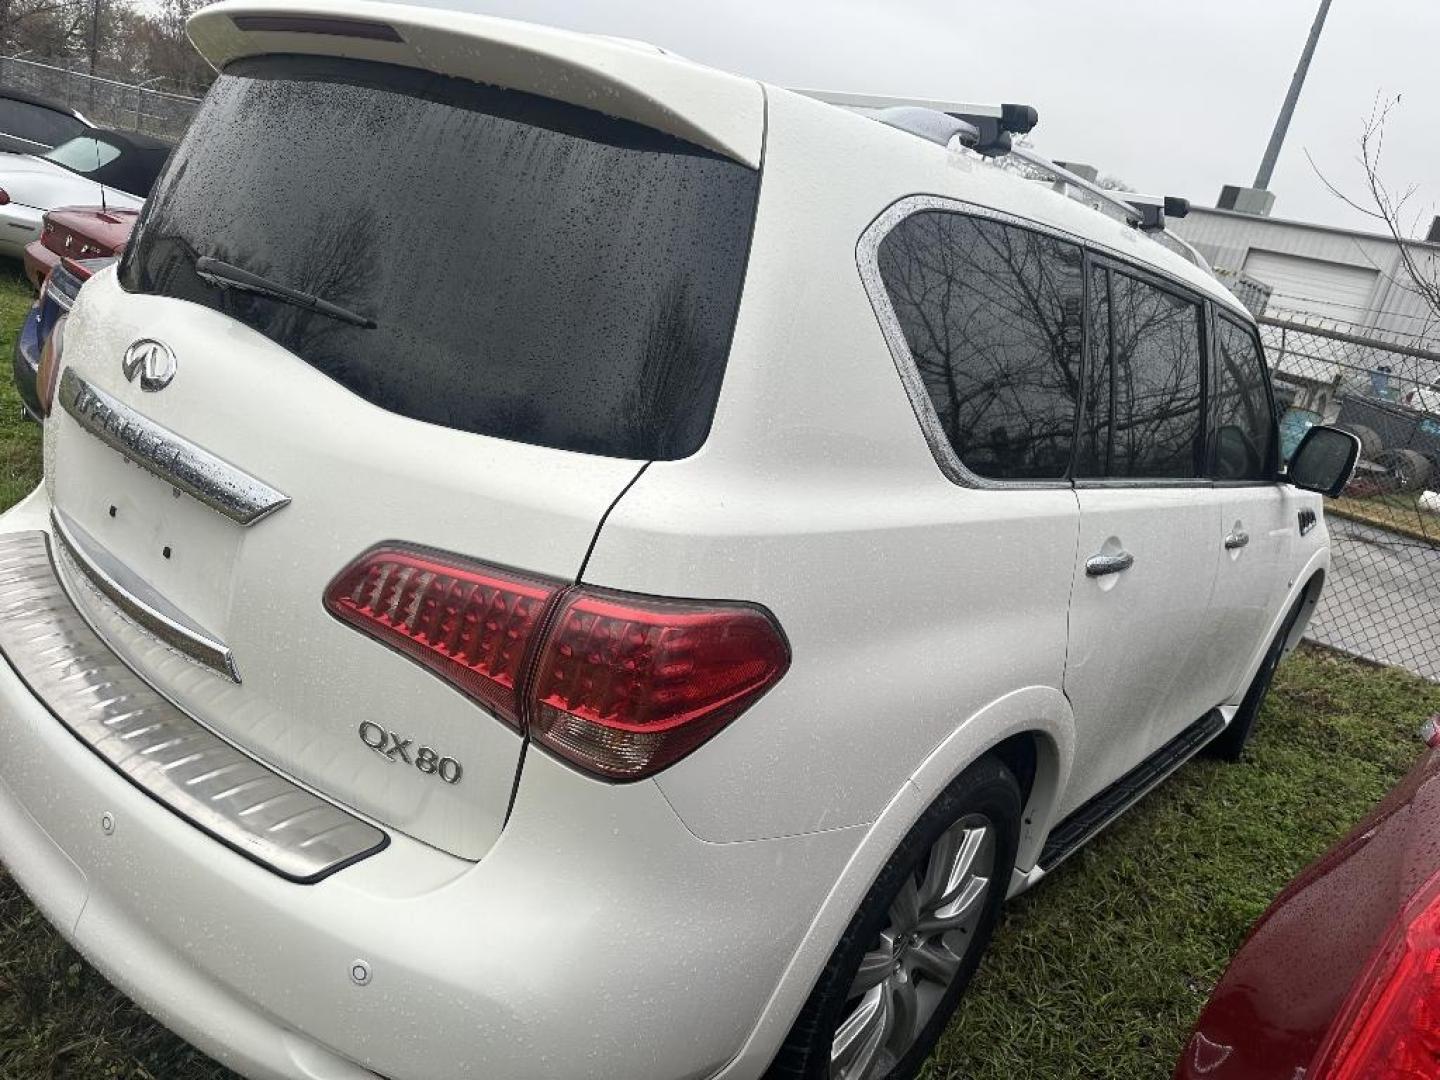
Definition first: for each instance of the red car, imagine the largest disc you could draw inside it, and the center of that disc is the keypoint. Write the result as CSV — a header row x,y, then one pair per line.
x,y
1340,978
77,232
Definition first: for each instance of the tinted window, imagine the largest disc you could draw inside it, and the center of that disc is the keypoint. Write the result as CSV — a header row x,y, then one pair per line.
x,y
1149,428
993,316
1243,439
37,124
1092,456
537,271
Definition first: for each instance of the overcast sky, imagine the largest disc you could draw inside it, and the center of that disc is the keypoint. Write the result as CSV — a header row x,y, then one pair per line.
x,y
1172,97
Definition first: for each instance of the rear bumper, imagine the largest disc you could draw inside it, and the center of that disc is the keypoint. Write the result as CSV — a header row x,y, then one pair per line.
x,y
599,938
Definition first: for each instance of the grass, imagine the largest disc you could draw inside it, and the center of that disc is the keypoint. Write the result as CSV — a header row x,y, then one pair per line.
x,y
1102,970
1398,513
1098,973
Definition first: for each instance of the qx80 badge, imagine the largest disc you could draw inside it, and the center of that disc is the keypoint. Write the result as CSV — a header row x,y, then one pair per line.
x,y
398,750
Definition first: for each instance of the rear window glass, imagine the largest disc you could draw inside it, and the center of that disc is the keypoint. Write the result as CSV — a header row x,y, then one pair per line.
x,y
535,271
83,155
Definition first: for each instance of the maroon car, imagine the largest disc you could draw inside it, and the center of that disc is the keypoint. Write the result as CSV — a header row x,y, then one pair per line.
x,y
77,232
1340,978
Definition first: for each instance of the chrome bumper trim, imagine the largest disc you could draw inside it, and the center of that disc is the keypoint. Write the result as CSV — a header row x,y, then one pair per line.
x,y
148,740
179,462
137,599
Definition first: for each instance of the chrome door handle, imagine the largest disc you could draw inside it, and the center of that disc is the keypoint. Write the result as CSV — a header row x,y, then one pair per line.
x,y
1100,565
1236,540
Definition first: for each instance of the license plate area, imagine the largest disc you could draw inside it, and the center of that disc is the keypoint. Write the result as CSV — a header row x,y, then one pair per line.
x,y
184,550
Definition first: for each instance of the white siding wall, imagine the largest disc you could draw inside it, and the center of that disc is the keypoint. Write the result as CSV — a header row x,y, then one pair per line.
x,y
1227,239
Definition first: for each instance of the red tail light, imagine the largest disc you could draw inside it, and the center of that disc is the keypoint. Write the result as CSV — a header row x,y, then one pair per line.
x,y
4,197
622,686
47,371
628,685
471,624
1389,1028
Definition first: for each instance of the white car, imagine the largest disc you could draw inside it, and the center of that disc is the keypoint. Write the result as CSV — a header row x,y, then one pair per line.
x,y
99,168
634,606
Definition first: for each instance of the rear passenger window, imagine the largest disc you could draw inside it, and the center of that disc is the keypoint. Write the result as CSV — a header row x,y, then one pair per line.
x,y
1150,426
994,318
1243,439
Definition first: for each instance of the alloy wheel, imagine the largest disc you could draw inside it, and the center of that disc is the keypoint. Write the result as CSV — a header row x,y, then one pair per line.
x,y
904,975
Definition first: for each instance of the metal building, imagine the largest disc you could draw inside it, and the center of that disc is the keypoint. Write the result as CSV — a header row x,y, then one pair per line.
x,y
1320,273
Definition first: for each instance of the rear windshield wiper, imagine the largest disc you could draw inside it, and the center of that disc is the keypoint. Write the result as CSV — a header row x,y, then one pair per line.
x,y
225,275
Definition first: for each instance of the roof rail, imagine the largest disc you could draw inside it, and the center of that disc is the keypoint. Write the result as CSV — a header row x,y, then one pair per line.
x,y
988,130
1132,215
1154,209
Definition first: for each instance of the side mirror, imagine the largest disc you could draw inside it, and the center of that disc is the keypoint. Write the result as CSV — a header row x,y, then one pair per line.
x,y
1324,461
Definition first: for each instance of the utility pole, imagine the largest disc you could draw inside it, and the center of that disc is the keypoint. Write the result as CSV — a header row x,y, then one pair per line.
x,y
1287,111
94,32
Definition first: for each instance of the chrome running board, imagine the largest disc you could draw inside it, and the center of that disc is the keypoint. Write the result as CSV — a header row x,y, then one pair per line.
x,y
1091,819
167,754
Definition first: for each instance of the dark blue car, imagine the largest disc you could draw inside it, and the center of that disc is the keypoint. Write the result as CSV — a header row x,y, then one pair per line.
x,y
56,297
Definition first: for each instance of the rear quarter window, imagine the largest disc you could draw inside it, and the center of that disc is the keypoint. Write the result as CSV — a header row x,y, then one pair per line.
x,y
994,319
536,271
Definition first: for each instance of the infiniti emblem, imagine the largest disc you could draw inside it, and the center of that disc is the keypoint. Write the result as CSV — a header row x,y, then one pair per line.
x,y
152,361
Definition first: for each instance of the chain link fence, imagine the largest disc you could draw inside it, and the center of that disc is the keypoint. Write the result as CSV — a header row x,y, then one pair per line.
x,y
1382,599
104,101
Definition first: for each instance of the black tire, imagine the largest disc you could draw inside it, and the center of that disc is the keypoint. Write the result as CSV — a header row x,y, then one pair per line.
x,y
1371,445
1406,470
1230,744
986,790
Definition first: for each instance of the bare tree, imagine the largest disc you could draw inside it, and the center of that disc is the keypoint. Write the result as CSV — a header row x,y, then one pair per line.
x,y
1391,208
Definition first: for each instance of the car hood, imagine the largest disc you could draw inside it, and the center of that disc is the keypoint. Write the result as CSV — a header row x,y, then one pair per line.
x,y
35,182
1273,1007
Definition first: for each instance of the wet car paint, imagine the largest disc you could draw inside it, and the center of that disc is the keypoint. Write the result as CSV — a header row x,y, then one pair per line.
x,y
1270,1012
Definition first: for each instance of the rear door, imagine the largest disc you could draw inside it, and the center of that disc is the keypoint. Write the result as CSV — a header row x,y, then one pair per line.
x,y
1259,522
529,301
1145,566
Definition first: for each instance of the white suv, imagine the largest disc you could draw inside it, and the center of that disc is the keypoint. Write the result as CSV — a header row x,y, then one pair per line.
x,y
555,561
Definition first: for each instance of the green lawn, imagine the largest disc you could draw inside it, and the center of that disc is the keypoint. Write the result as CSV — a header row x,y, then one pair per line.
x,y
1097,973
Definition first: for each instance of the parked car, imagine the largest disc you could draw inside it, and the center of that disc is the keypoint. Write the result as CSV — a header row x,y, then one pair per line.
x,y
1338,979
1425,399
32,125
111,169
78,232
514,595
56,298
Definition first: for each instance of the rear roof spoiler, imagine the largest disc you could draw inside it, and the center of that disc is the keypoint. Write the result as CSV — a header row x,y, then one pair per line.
x,y
720,112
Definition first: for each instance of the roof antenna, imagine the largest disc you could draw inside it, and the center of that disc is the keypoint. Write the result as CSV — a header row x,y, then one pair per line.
x,y
104,209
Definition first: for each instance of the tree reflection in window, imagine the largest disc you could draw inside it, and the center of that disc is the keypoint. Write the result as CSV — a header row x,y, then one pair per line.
x,y
1155,363
1142,416
1243,445
994,316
